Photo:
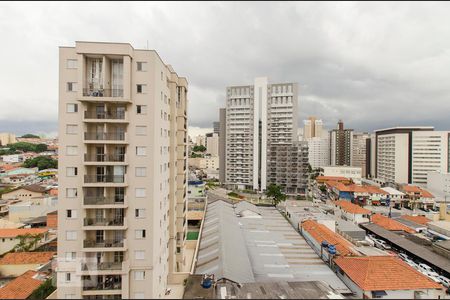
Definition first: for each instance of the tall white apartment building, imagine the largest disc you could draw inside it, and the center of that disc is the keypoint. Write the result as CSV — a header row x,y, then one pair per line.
x,y
407,154
312,128
122,172
212,144
319,151
359,151
257,116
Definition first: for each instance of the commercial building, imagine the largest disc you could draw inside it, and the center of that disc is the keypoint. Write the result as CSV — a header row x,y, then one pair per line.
x,y
312,128
288,167
359,151
353,173
122,172
216,127
341,145
407,154
257,116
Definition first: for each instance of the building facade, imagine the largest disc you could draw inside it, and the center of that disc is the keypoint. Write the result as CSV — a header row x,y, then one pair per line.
x,y
122,172
341,146
222,138
359,151
312,128
257,116
7,138
212,144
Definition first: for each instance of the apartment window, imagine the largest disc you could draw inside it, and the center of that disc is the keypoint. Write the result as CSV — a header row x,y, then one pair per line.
x,y
141,88
139,233
72,107
71,86
71,171
71,129
140,151
141,171
139,275
140,212
68,277
71,213
72,150
72,64
71,235
139,254
70,256
71,192
141,109
141,130
139,296
141,66
140,192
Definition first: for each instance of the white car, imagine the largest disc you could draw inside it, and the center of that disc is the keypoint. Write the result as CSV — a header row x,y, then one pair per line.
x,y
404,256
382,245
412,264
444,280
428,270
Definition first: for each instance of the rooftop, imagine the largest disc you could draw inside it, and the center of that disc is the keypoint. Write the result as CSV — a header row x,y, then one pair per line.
x,y
23,286
390,224
415,189
392,191
351,208
332,178
14,232
322,233
20,258
378,273
422,220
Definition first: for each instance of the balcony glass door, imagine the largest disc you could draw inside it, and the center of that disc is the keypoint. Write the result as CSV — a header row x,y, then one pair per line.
x,y
100,111
95,76
100,174
117,78
99,153
99,236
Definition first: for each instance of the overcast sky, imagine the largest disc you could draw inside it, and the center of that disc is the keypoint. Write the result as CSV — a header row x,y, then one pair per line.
x,y
374,65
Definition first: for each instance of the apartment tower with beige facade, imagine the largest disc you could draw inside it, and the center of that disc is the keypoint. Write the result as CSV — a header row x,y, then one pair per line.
x,y
122,172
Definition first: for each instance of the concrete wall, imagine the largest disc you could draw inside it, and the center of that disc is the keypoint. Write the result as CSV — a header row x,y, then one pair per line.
x,y
16,270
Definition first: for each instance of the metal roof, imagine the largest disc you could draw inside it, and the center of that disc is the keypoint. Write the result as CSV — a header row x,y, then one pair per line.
x,y
422,252
243,206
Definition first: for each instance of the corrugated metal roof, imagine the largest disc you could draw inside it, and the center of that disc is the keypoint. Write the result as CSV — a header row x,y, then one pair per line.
x,y
246,206
222,249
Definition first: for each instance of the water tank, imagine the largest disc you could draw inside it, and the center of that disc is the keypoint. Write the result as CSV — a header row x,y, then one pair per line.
x,y
206,283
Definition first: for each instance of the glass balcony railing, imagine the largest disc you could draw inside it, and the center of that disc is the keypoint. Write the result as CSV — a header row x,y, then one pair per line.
x,y
115,115
102,92
104,178
103,266
103,221
102,136
101,200
102,244
104,157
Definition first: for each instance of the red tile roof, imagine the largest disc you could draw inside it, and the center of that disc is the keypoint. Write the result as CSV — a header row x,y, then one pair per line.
x,y
417,219
322,233
351,208
23,258
11,232
21,287
332,178
378,273
390,224
415,189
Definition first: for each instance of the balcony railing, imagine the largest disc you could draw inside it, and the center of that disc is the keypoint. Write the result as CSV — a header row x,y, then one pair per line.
x,y
103,286
102,92
102,136
104,115
102,244
104,157
104,178
100,200
103,266
103,221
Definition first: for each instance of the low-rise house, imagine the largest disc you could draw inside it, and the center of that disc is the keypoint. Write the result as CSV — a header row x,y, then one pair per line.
x,y
385,277
377,196
14,179
317,233
18,171
26,210
390,224
417,197
13,158
422,220
16,263
52,220
394,195
352,212
23,286
25,193
323,179
28,237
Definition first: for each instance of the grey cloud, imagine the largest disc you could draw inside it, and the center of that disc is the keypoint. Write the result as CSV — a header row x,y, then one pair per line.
x,y
373,65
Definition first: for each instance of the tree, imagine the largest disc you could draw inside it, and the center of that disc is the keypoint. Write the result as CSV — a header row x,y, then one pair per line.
x,y
27,242
41,148
27,147
322,188
43,291
275,192
199,148
30,136
41,162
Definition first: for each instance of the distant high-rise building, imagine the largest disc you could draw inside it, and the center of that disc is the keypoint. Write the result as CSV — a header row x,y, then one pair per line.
x,y
7,138
257,116
212,145
312,128
122,172
341,146
407,154
359,150
319,151
200,140
222,138
216,128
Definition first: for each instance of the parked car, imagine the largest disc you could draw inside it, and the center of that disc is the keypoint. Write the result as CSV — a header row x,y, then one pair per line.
x,y
403,256
412,264
428,270
444,280
382,245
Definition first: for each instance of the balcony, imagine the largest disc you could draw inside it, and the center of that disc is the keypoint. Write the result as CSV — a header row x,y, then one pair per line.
x,y
115,93
103,244
104,136
104,222
103,286
103,266
110,116
100,200
104,158
99,178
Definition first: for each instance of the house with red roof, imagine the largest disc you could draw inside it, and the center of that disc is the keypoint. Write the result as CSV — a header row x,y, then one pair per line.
x,y
23,286
14,264
385,277
390,224
351,212
10,237
417,197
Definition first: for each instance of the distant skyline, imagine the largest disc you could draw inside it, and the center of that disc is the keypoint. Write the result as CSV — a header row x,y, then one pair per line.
x,y
373,65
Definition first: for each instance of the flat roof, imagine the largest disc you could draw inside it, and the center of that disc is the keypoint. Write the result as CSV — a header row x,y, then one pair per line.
x,y
422,252
405,128
275,250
